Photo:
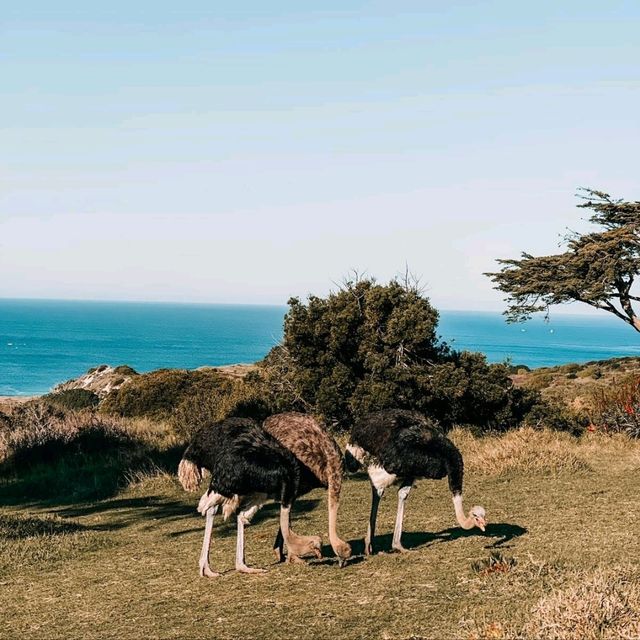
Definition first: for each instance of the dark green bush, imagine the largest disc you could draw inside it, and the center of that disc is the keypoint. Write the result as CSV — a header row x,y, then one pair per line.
x,y
74,399
125,370
369,347
555,415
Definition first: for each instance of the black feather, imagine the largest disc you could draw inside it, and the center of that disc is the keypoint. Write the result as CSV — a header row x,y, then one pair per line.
x,y
244,459
409,445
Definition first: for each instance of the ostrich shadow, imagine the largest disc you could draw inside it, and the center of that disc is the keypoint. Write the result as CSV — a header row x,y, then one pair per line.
x,y
504,531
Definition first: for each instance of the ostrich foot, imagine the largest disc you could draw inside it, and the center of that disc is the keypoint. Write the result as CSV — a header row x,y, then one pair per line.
x,y
368,549
205,572
242,568
398,548
306,546
279,555
293,559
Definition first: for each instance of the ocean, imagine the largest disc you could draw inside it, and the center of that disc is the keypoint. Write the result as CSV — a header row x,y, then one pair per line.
x,y
43,342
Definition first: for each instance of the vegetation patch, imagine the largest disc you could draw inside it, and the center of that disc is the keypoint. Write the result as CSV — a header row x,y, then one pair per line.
x,y
535,451
497,562
601,604
616,409
39,542
159,393
74,399
48,453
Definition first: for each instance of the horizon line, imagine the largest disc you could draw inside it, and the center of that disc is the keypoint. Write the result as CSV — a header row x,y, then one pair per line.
x,y
253,304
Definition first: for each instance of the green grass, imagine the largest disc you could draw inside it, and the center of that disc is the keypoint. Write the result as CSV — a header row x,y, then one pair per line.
x,y
126,567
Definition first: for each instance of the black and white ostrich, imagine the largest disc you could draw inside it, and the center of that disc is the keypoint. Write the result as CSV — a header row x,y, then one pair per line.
x,y
248,467
398,447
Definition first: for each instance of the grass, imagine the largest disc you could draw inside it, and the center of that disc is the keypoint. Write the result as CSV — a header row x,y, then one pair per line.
x,y
126,566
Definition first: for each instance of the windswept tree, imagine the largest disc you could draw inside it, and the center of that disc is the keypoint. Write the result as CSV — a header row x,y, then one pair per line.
x,y
598,268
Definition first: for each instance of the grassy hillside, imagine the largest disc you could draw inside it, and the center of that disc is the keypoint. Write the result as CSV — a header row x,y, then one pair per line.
x,y
575,384
554,562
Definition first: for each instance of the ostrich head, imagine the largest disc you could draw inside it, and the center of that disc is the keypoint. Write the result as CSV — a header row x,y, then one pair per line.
x,y
343,549
479,517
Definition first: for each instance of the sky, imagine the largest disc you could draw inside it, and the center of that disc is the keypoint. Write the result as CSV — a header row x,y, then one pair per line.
x,y
247,151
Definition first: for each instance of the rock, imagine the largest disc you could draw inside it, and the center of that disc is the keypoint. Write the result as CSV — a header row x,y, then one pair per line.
x,y
101,380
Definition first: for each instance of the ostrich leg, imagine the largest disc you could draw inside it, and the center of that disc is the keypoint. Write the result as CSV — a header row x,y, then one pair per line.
x,y
376,494
297,545
240,563
205,569
403,493
278,546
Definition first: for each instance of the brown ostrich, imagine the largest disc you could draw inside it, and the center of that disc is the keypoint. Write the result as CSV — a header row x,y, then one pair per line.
x,y
322,466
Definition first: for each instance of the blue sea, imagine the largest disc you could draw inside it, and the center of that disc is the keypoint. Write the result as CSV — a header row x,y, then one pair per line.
x,y
43,342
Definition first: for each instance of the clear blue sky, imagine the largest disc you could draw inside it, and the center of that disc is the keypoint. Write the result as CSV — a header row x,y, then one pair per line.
x,y
246,151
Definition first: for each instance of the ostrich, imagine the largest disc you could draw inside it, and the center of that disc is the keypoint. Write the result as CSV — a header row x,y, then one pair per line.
x,y
322,466
248,467
398,447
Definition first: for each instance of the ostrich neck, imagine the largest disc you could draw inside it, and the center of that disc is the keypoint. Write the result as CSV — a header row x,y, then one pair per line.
x,y
466,522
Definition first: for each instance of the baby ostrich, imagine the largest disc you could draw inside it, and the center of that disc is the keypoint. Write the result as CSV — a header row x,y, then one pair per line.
x,y
248,467
398,447
321,466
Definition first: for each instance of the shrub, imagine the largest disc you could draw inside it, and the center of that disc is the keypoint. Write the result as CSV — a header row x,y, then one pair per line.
x,y
125,370
159,393
74,399
540,381
204,408
555,415
616,408
49,453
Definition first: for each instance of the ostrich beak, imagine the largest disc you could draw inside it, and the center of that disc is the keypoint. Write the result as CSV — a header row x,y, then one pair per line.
x,y
482,523
342,562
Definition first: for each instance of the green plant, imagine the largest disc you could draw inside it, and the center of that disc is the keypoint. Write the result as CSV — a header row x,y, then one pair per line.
x,y
74,399
159,393
497,562
368,347
555,415
125,370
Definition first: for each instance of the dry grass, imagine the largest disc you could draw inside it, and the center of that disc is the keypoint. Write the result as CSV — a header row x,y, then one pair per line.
x,y
126,566
47,452
40,542
602,604
539,451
